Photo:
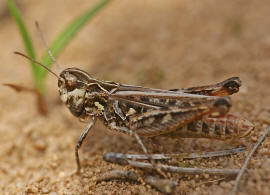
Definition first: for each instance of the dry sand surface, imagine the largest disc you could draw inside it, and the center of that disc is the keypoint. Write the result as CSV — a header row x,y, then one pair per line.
x,y
154,43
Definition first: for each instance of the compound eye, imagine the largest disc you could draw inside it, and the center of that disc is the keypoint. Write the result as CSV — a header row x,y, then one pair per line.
x,y
61,82
71,82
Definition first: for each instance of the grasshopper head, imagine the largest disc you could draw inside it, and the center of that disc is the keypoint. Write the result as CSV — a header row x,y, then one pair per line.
x,y
83,94
72,86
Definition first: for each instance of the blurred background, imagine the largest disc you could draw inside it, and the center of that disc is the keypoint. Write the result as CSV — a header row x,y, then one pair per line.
x,y
154,43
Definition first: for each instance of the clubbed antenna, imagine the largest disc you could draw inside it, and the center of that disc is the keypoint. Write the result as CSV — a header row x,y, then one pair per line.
x,y
47,47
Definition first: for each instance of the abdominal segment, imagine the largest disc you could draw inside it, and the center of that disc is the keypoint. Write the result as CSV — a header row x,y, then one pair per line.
x,y
222,128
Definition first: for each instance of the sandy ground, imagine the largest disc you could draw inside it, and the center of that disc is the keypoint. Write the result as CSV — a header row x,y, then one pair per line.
x,y
164,44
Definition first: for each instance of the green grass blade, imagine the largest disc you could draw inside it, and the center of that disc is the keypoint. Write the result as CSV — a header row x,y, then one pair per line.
x,y
26,39
67,34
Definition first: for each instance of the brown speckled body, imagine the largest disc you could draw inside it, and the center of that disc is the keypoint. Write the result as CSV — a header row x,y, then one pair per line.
x,y
154,112
138,111
190,112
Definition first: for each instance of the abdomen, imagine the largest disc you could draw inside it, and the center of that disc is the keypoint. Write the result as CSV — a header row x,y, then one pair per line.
x,y
222,128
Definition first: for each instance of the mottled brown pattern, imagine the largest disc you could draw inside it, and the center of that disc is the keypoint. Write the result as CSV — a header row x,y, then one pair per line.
x,y
152,112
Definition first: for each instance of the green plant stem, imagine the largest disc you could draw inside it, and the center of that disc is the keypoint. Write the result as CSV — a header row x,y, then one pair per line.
x,y
67,34
26,39
39,73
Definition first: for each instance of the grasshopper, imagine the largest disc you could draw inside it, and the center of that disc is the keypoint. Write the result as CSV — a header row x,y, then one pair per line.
x,y
199,112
